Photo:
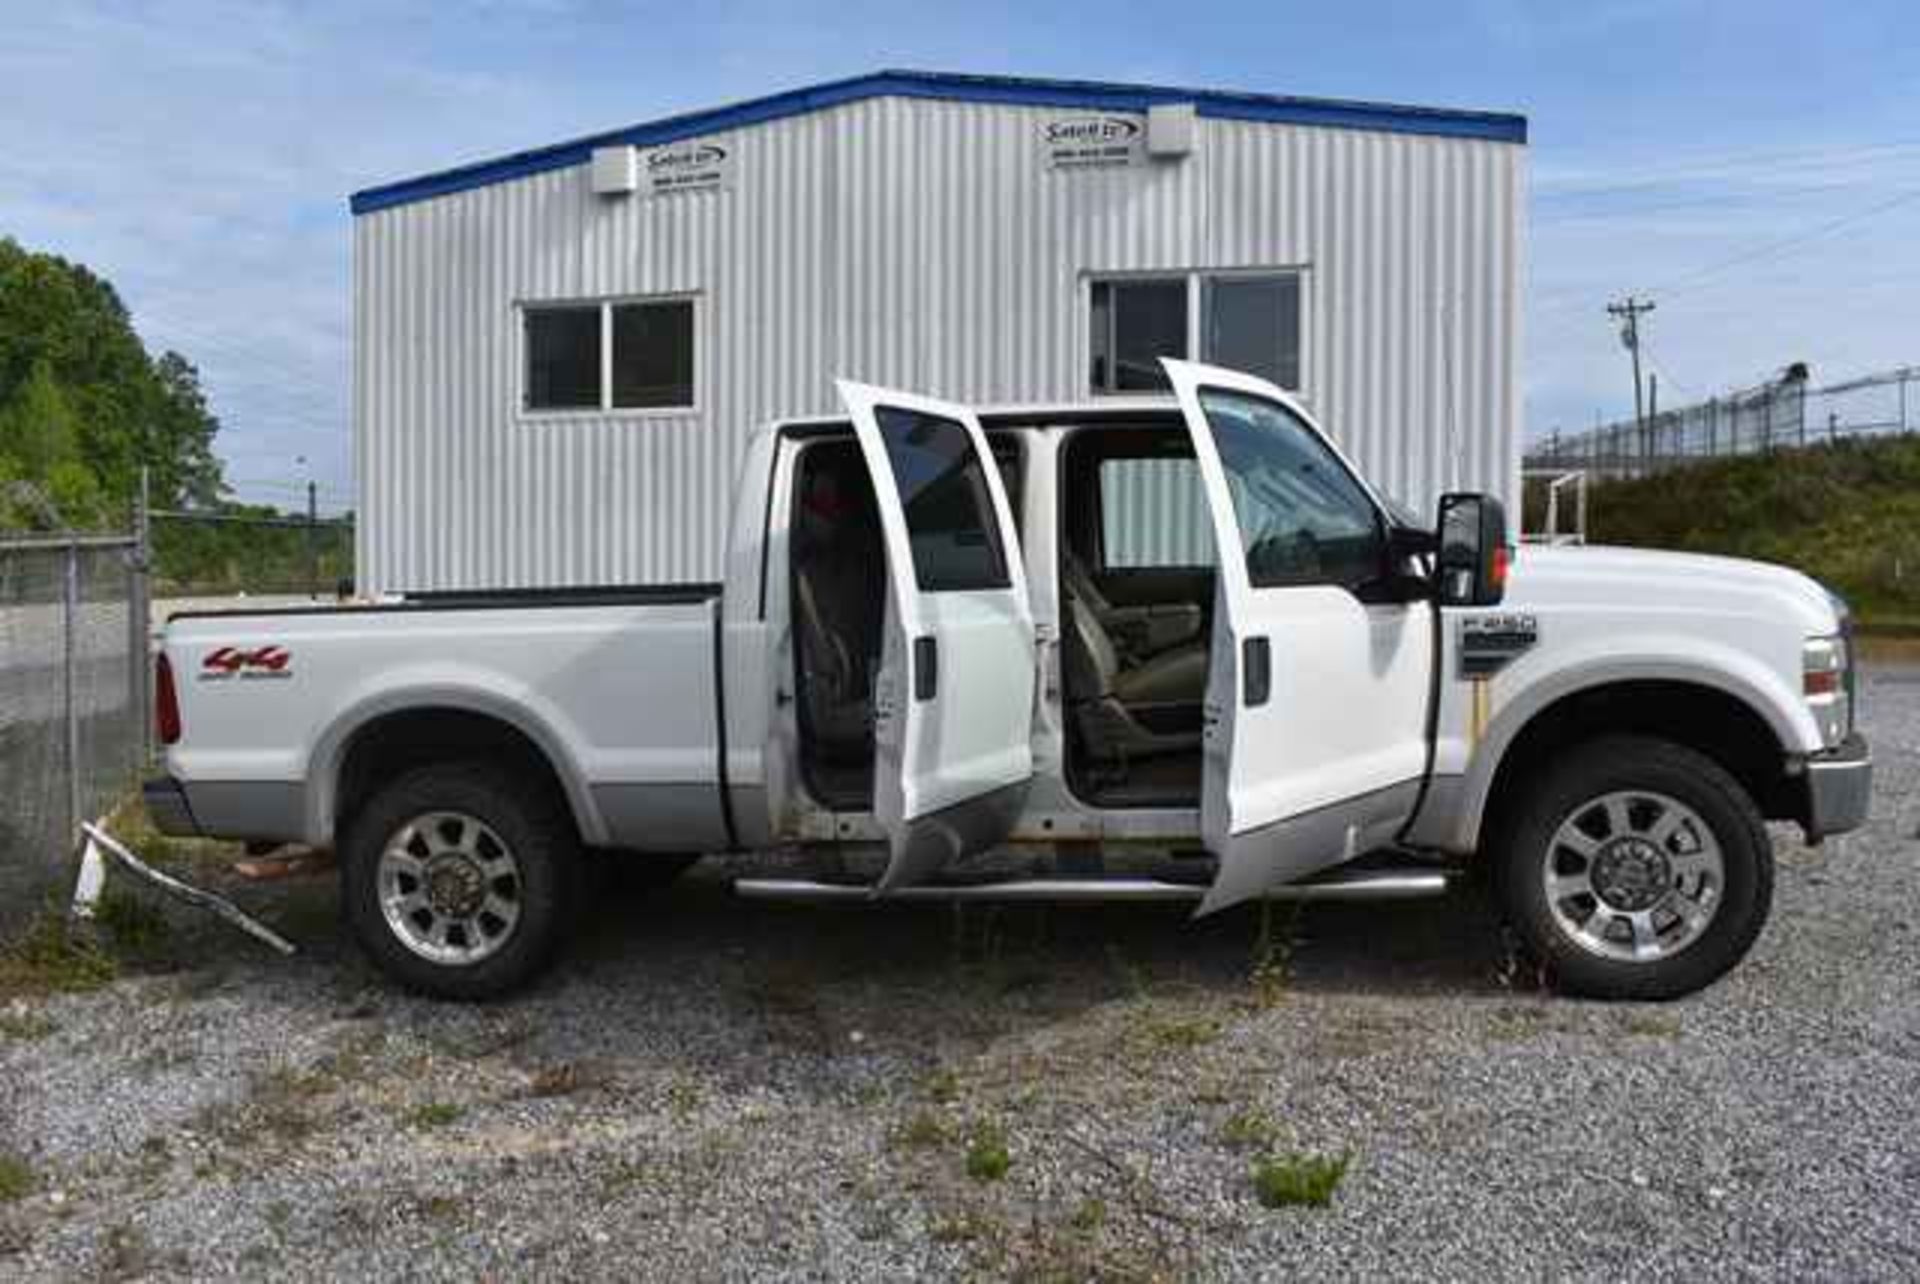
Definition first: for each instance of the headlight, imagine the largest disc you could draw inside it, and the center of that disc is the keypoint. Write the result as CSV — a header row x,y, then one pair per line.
x,y
1825,666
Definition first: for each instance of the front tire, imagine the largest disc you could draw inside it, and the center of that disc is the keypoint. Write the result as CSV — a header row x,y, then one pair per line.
x,y
459,878
1635,868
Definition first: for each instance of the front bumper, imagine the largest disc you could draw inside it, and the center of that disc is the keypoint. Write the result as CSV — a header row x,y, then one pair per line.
x,y
1839,784
167,806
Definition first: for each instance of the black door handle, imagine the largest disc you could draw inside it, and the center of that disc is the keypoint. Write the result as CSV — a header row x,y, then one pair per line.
x,y
926,667
1256,659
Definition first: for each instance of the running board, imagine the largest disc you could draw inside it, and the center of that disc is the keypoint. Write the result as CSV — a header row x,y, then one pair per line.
x,y
1368,885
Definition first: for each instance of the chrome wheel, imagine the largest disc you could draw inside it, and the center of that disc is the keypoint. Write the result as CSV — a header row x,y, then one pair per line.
x,y
1634,876
450,888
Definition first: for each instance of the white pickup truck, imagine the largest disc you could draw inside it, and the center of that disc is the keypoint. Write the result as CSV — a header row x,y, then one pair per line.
x,y
1171,648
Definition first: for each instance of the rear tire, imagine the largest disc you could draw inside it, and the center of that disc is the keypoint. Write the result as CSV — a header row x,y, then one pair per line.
x,y
459,879
1635,868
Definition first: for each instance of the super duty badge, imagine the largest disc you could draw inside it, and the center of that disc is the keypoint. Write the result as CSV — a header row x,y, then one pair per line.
x,y
1488,643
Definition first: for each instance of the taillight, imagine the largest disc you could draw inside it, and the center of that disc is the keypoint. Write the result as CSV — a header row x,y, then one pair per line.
x,y
166,703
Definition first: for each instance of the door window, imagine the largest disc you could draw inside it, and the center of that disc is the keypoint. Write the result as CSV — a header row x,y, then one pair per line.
x,y
1303,519
951,526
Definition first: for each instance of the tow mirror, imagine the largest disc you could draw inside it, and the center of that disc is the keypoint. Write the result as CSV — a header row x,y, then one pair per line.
x,y
1471,569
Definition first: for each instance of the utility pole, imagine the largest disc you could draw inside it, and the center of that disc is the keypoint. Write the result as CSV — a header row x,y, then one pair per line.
x,y
1629,312
313,548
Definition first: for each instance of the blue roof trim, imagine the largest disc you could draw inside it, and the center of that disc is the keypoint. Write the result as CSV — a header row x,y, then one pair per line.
x,y
1018,91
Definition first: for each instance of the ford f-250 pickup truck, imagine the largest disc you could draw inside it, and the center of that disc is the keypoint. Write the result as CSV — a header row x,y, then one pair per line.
x,y
986,656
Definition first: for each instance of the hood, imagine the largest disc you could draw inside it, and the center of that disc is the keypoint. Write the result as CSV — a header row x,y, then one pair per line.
x,y
1655,580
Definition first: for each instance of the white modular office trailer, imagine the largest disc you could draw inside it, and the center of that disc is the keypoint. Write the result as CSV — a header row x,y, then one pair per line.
x,y
559,355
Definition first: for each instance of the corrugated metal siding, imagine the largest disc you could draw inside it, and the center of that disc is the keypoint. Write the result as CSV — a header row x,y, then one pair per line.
x,y
914,243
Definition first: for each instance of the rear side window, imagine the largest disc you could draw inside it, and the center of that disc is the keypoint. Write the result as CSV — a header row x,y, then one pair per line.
x,y
1153,513
949,510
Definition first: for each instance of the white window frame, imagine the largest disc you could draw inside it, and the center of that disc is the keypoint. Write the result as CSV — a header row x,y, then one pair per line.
x,y
1196,279
606,409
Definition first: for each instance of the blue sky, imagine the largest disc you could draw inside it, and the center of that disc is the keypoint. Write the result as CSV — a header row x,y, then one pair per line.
x,y
1756,166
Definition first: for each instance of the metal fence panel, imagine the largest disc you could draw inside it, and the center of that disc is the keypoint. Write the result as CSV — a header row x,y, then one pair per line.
x,y
72,709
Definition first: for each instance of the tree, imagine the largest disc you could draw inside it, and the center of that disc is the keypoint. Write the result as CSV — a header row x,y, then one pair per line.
x,y
78,389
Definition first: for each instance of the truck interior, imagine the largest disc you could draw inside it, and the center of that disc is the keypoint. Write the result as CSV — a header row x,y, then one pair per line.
x,y
1136,593
1136,604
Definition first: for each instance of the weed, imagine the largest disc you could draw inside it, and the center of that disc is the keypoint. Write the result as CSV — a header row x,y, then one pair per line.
x,y
434,1114
50,958
563,1079
1282,1181
628,1174
966,1228
923,1131
683,1098
1272,967
27,1026
132,925
987,1155
16,1178
1248,1129
942,1086
1185,1032
1650,1025
1090,1216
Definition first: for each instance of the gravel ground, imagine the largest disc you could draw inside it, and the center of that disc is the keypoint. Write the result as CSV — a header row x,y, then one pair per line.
x,y
710,1089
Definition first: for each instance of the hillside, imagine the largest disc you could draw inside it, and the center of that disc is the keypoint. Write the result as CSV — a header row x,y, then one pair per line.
x,y
1847,513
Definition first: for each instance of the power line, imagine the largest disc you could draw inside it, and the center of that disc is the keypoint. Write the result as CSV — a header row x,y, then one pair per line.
x,y
1682,284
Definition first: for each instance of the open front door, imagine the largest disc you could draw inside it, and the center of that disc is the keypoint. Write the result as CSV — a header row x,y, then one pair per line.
x,y
1317,692
953,702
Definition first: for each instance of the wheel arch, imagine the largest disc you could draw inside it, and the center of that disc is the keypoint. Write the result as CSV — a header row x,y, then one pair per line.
x,y
1727,724
399,730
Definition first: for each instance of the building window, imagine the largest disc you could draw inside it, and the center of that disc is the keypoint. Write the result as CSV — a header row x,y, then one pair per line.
x,y
626,355
1253,324
653,354
563,358
1135,323
1246,321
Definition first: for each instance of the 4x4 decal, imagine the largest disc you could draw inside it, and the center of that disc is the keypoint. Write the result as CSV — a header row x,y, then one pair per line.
x,y
257,662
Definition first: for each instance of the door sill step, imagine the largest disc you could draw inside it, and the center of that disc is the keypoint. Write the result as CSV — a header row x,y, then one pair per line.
x,y
1411,883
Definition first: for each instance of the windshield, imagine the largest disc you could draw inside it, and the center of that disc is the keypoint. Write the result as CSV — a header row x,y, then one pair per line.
x,y
1303,518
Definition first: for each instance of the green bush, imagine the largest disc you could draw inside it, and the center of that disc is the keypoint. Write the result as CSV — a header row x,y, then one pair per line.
x,y
1282,1181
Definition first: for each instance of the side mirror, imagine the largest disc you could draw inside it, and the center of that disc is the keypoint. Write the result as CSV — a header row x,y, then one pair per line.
x,y
1471,568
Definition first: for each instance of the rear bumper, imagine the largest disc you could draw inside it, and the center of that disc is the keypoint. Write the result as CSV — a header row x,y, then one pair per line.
x,y
168,808
1839,785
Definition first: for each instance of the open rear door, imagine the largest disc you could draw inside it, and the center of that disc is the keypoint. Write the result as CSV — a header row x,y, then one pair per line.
x,y
953,702
1318,687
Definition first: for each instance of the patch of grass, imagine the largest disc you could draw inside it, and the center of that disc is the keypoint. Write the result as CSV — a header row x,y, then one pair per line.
x,y
987,1156
1248,1129
1305,1181
1272,965
51,958
923,1130
563,1079
16,1178
1089,1216
963,1228
942,1086
1650,1025
434,1114
25,1025
1184,1032
132,925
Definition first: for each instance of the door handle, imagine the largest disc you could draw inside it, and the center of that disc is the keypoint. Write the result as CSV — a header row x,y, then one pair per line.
x,y
926,667
1256,663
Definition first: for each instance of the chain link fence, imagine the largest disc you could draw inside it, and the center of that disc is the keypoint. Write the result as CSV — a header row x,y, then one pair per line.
x,y
73,702
1776,416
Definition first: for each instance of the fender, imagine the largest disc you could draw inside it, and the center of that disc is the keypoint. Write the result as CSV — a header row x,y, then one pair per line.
x,y
1722,669
516,710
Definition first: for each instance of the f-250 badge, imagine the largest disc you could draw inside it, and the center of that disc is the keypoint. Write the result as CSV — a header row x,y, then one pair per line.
x,y
230,662
1488,643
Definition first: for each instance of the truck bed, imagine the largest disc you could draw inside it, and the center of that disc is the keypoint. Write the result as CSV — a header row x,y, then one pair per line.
x,y
618,687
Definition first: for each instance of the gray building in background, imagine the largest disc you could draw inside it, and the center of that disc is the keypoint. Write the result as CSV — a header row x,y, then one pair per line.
x,y
559,355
